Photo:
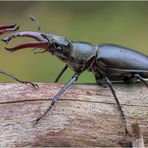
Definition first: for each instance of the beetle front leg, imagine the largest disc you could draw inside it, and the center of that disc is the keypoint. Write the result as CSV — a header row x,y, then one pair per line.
x,y
18,80
61,73
57,97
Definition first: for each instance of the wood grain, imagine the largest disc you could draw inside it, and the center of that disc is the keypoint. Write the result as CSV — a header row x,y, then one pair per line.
x,y
86,115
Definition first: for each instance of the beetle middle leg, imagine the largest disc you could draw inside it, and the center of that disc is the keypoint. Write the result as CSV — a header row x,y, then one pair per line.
x,y
15,78
61,73
133,78
108,82
100,79
57,96
129,78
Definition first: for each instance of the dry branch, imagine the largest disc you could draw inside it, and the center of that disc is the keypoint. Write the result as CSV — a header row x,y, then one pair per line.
x,y
86,115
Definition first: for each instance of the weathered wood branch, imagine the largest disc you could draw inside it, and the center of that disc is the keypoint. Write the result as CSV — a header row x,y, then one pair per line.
x,y
86,115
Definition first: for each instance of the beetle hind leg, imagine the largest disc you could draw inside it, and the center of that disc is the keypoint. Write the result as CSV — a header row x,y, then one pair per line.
x,y
102,83
100,80
118,104
129,79
141,79
109,84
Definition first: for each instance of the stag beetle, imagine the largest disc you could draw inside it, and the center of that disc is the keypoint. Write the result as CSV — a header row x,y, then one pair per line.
x,y
108,62
6,29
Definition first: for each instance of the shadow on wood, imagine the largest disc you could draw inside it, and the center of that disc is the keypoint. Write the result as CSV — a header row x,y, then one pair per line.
x,y
86,115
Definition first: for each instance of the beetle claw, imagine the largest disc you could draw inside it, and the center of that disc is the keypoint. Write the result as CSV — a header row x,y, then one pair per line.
x,y
42,41
2,27
34,35
8,28
27,45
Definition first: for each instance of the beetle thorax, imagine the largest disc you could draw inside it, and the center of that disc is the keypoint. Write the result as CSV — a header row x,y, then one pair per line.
x,y
80,54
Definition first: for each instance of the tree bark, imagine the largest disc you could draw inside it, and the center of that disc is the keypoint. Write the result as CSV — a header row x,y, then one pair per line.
x,y
86,115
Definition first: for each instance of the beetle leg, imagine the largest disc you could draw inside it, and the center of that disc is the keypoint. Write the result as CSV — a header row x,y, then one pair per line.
x,y
118,104
141,79
61,73
100,79
15,78
57,97
101,83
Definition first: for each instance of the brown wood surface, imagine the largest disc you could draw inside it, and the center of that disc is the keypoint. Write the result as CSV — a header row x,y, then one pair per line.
x,y
86,115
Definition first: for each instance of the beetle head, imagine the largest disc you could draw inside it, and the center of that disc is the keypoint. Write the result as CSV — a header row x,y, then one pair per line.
x,y
59,45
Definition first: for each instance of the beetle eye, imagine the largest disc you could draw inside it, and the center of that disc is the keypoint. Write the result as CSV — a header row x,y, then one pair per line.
x,y
59,48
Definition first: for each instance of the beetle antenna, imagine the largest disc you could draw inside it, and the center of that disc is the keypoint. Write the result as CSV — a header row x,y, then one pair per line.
x,y
32,18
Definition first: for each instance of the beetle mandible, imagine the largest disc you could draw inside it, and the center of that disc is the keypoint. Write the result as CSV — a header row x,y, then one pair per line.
x,y
7,29
108,62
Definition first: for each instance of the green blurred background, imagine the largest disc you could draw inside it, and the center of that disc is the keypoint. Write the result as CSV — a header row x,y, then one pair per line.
x,y
124,23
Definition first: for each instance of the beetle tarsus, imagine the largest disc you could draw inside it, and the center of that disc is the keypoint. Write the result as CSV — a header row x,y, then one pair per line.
x,y
46,111
119,105
141,79
57,97
61,73
28,82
